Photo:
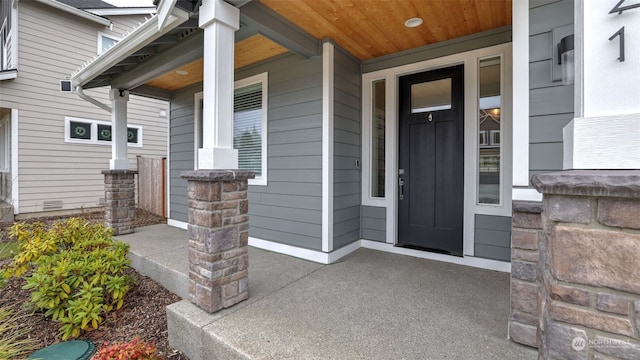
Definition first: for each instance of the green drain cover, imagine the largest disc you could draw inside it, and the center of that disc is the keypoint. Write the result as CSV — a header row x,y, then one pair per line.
x,y
68,350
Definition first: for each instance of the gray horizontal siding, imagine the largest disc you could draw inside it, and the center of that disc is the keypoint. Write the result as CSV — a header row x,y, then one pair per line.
x,y
49,168
493,237
550,103
181,149
346,138
289,209
373,223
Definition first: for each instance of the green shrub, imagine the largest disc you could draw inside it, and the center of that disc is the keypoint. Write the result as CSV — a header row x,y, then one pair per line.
x,y
135,349
13,341
76,271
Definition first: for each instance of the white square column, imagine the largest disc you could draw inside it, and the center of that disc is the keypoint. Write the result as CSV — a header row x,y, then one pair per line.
x,y
219,21
119,159
605,133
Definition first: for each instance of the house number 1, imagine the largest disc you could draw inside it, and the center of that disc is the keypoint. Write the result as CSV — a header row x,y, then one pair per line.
x,y
620,33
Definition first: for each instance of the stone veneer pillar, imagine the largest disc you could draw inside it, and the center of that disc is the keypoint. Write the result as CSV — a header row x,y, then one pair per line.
x,y
589,297
525,279
218,236
119,200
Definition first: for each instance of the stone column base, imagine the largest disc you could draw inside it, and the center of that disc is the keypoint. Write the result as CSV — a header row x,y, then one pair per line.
x,y
218,236
120,200
589,304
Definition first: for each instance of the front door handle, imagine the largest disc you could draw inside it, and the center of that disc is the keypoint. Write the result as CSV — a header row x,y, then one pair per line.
x,y
401,187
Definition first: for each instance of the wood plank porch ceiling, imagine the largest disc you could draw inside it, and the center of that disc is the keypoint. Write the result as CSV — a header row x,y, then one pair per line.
x,y
248,51
365,28
373,28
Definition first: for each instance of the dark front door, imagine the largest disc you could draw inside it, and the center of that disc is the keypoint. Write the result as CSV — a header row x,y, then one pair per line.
x,y
431,171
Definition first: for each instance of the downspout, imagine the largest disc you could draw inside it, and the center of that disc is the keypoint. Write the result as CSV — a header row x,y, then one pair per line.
x,y
88,98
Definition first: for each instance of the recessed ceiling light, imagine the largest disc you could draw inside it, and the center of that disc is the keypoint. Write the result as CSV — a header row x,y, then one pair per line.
x,y
182,72
413,22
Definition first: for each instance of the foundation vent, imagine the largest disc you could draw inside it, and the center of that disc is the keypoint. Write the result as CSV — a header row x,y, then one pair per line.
x,y
100,201
52,205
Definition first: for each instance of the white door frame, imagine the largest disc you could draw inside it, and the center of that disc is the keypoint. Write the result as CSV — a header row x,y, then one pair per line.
x,y
470,60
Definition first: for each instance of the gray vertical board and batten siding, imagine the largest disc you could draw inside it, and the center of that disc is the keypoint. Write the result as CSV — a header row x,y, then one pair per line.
x,y
289,209
551,103
346,142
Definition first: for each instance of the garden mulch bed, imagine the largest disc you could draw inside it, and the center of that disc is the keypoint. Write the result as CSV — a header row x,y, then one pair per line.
x,y
143,313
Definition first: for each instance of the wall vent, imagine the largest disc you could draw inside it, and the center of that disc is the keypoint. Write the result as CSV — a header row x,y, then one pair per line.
x,y
100,201
52,205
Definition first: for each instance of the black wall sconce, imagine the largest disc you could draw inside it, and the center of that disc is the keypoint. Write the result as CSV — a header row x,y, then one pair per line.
x,y
566,58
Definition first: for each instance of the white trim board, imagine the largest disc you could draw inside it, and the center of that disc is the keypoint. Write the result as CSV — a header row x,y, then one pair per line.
x,y
178,224
307,254
520,53
15,167
328,52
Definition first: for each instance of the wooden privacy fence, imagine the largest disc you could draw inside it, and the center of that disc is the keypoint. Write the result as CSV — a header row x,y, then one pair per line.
x,y
151,185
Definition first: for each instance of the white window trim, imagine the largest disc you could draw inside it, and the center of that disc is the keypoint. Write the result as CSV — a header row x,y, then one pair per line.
x,y
94,132
197,113
4,56
5,139
367,131
100,35
470,60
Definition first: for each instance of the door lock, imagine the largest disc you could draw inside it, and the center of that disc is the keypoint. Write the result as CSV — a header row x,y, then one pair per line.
x,y
401,184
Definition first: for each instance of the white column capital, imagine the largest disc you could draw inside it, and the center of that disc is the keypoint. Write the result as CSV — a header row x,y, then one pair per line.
x,y
219,11
120,95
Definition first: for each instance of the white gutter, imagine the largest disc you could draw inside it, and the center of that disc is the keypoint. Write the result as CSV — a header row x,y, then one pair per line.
x,y
88,98
141,36
123,11
75,11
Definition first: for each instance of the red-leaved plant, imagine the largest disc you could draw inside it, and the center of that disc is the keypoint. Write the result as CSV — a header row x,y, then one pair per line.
x,y
135,349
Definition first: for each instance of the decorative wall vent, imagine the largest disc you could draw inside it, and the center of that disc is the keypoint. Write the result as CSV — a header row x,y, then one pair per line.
x,y
52,205
100,201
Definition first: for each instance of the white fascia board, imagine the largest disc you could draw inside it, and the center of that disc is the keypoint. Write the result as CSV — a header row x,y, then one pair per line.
x,y
132,42
123,11
75,11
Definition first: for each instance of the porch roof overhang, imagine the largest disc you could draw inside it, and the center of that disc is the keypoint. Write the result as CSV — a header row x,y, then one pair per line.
x,y
78,12
134,47
146,59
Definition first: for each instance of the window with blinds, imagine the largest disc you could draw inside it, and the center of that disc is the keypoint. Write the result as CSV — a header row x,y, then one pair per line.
x,y
247,127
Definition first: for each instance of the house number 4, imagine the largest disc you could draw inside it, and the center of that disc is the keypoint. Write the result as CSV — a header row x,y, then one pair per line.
x,y
620,33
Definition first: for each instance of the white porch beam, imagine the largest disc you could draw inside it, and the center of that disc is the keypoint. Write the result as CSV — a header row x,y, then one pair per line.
x,y
119,159
181,54
219,21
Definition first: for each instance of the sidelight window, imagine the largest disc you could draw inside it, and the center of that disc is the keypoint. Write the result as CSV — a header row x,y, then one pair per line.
x,y
378,128
489,128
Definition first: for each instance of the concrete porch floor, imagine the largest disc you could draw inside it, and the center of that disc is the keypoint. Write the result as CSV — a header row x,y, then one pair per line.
x,y
369,305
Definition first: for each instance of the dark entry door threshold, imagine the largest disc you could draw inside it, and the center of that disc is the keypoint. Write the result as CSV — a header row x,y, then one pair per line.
x,y
439,251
